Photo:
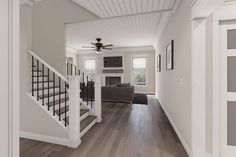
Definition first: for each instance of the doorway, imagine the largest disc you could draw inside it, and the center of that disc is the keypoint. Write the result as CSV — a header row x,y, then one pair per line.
x,y
227,90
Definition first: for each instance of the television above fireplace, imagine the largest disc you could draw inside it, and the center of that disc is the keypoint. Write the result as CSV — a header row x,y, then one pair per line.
x,y
113,62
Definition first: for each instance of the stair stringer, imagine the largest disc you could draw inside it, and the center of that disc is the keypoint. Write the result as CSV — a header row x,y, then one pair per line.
x,y
91,112
47,125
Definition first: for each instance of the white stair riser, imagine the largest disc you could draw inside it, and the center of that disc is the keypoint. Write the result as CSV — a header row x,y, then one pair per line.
x,y
45,84
35,73
57,105
51,98
84,116
40,79
46,91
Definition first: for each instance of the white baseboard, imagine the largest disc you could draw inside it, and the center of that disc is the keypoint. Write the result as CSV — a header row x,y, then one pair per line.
x,y
44,138
184,143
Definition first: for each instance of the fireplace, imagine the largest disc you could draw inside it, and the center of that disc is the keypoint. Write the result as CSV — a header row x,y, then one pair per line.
x,y
112,80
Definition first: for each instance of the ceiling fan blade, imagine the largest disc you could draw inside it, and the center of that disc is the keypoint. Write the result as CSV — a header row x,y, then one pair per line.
x,y
107,48
88,47
93,44
108,45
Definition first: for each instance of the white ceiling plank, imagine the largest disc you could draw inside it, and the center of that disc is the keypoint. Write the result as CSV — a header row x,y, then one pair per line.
x,y
106,8
124,23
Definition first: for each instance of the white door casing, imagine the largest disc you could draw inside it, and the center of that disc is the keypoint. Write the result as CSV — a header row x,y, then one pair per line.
x,y
226,96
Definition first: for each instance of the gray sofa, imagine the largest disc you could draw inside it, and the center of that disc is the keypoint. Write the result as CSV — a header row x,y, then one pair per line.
x,y
121,93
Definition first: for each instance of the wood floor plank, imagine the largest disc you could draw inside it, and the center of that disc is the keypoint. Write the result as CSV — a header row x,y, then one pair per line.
x,y
143,131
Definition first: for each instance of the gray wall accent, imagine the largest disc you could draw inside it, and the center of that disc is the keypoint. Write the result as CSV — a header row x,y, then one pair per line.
x,y
231,72
231,123
49,18
231,37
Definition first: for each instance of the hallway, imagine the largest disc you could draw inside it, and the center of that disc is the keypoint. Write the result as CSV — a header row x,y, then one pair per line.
x,y
143,131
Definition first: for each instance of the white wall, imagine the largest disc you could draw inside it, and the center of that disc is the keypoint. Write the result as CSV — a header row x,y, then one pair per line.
x,y
49,18
127,53
4,80
209,85
174,86
31,115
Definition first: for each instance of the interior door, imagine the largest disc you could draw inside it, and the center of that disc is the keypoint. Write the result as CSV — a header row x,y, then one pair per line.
x,y
228,90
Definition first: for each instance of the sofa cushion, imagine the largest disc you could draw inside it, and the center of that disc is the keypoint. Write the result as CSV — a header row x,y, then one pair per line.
x,y
123,85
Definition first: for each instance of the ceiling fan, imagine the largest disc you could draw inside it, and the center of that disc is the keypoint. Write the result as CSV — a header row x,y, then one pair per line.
x,y
99,46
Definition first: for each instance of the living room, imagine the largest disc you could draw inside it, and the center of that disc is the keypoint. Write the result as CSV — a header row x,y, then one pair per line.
x,y
128,61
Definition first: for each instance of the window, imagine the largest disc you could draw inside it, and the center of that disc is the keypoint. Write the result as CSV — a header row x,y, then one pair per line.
x,y
90,68
139,71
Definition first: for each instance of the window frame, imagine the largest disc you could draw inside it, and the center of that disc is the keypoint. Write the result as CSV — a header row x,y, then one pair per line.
x,y
146,70
86,71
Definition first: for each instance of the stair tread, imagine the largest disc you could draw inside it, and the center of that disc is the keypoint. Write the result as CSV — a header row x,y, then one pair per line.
x,y
35,70
62,110
42,81
41,88
57,102
84,123
51,95
82,112
40,76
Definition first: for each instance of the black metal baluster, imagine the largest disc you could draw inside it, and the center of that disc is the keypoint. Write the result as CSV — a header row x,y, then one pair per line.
x,y
65,107
87,91
43,83
37,80
91,94
48,89
75,70
83,84
54,84
32,76
71,69
67,68
59,99
79,72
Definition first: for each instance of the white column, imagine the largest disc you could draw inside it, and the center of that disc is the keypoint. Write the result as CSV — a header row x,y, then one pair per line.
x,y
198,88
98,98
74,111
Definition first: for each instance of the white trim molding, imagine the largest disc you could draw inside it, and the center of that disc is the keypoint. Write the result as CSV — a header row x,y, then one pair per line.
x,y
181,137
27,2
224,13
203,8
198,87
44,138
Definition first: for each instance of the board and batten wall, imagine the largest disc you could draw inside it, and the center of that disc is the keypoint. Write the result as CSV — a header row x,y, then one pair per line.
x,y
127,53
173,87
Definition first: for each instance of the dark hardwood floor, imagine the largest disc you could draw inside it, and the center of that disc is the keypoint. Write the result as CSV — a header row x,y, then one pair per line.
x,y
143,131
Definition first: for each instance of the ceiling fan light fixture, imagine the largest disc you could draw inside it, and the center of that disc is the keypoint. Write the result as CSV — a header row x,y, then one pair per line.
x,y
98,52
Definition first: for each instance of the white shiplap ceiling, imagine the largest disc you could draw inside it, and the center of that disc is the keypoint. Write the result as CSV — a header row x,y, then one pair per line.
x,y
123,23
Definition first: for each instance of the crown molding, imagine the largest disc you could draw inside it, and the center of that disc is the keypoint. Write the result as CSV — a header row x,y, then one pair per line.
x,y
27,2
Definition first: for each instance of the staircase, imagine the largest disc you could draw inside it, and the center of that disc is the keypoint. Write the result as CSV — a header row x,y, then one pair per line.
x,y
59,96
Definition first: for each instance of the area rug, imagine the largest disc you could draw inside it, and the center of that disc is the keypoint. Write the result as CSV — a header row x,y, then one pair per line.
x,y
140,99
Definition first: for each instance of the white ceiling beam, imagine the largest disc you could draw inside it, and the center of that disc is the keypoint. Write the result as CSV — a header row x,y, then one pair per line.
x,y
27,2
203,8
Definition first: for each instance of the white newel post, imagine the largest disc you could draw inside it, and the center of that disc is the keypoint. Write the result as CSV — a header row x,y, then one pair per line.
x,y
98,97
74,111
